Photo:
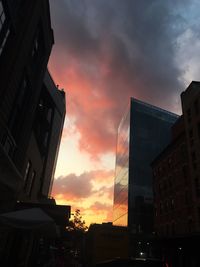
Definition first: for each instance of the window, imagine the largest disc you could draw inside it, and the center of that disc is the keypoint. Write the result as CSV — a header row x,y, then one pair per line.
x,y
194,165
18,113
9,145
190,224
191,133
2,15
198,129
186,198
170,184
23,88
172,204
197,186
196,107
30,183
183,152
166,206
4,28
192,142
46,138
185,174
173,228
161,208
155,212
4,40
43,121
199,214
27,171
160,192
38,46
167,229
189,115
35,47
193,156
49,114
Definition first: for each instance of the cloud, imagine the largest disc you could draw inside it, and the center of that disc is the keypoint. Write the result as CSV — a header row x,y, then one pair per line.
x,y
73,186
107,51
77,187
98,209
91,192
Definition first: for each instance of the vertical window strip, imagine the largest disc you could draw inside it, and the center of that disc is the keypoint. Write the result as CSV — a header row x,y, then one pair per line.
x,y
2,15
30,183
4,28
27,172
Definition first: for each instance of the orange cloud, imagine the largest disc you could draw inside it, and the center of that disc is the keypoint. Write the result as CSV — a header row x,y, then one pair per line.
x,y
98,213
84,191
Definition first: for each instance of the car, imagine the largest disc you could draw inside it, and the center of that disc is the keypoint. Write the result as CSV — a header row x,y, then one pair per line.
x,y
136,262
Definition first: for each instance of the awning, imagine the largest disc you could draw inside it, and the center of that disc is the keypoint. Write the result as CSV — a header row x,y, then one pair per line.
x,y
33,219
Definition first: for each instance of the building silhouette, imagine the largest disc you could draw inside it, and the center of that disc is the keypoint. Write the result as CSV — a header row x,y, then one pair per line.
x,y
105,242
177,184
32,112
176,172
44,143
143,132
172,191
32,109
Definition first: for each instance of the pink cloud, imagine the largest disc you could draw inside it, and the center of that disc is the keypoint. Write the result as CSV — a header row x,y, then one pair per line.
x,y
101,62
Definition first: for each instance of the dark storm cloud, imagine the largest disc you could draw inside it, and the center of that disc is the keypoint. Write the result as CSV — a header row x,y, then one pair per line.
x,y
143,47
117,49
71,32
141,35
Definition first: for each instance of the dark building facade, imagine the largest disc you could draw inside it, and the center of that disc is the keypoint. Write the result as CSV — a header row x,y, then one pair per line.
x,y
190,100
142,133
32,109
44,142
177,186
176,172
32,112
105,242
172,187
55,115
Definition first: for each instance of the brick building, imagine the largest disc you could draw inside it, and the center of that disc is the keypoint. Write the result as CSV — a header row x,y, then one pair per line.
x,y
171,186
176,185
176,172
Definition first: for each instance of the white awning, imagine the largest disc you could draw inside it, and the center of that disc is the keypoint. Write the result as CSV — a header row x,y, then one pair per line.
x,y
34,219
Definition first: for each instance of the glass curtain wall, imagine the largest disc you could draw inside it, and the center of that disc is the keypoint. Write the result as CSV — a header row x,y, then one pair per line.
x,y
120,210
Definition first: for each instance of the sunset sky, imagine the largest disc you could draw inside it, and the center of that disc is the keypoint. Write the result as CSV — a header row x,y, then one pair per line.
x,y
106,51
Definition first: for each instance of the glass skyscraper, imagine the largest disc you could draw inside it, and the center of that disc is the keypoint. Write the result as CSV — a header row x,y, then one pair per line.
x,y
142,134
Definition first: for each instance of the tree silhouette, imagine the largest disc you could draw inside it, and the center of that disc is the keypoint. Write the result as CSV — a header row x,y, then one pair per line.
x,y
77,224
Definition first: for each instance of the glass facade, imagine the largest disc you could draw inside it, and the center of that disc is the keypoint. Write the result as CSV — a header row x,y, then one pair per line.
x,y
146,135
120,210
